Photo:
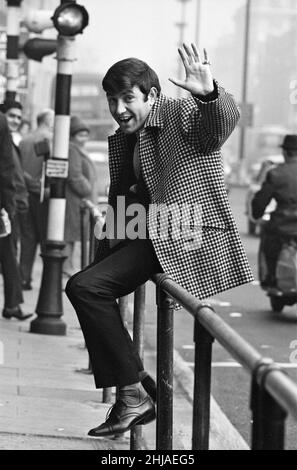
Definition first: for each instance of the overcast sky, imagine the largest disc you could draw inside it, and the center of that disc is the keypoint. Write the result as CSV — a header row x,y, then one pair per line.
x,y
147,29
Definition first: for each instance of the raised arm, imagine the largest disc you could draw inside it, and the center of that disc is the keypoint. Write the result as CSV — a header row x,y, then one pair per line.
x,y
210,116
198,77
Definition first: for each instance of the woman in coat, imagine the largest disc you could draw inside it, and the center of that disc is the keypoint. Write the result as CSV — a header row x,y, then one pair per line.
x,y
80,185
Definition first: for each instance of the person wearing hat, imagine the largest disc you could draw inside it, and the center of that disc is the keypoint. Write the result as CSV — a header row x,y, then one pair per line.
x,y
281,185
80,184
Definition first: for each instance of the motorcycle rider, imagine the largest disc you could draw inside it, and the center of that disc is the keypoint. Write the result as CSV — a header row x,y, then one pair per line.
x,y
280,184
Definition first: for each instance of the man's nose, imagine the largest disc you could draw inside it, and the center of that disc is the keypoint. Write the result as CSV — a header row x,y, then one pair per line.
x,y
121,108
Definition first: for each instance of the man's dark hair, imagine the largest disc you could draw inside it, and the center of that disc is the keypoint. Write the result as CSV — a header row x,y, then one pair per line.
x,y
9,104
128,73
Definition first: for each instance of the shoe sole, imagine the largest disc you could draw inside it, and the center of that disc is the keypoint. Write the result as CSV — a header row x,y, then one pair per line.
x,y
9,317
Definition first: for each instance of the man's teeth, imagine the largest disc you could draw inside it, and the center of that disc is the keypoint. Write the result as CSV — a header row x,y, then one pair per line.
x,y
125,119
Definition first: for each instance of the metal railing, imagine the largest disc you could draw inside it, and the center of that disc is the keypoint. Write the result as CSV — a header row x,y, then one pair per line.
x,y
273,394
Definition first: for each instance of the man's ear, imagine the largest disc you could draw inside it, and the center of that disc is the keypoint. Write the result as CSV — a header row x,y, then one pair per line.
x,y
152,96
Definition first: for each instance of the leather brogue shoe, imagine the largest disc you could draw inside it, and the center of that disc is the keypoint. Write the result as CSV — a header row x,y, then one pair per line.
x,y
15,312
123,417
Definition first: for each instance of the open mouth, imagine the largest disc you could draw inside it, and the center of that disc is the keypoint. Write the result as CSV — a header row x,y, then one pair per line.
x,y
124,119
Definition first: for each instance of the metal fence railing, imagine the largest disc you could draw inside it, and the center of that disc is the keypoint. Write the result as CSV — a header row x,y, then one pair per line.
x,y
273,394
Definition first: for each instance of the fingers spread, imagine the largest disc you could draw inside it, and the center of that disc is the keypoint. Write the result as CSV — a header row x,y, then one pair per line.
x,y
196,52
189,54
183,57
206,61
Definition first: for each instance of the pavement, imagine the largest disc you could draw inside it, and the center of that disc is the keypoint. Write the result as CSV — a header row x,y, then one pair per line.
x,y
48,403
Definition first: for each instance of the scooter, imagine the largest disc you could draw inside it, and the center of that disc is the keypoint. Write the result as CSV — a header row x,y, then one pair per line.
x,y
285,291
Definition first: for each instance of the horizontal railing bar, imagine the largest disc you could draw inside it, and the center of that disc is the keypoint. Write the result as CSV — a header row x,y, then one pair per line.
x,y
239,348
277,383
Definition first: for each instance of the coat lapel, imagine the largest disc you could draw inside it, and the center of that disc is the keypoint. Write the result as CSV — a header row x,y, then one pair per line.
x,y
117,152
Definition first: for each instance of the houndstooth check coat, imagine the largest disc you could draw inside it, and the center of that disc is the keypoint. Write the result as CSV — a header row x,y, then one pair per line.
x,y
181,163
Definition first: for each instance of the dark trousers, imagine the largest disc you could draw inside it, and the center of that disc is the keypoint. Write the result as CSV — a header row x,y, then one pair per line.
x,y
13,295
93,293
270,245
32,232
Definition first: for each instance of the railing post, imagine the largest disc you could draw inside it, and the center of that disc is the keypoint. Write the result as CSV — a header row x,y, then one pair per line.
x,y
268,429
83,236
124,308
92,239
256,405
164,370
202,387
138,340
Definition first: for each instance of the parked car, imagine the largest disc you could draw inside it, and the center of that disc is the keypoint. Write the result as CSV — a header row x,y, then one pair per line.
x,y
258,174
98,152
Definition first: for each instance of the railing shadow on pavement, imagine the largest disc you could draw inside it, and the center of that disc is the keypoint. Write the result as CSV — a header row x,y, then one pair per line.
x,y
273,395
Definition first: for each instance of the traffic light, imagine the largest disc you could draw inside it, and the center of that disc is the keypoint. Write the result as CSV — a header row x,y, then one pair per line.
x,y
69,19
37,48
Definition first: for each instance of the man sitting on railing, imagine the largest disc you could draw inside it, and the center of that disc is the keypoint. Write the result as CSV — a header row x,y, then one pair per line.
x,y
166,165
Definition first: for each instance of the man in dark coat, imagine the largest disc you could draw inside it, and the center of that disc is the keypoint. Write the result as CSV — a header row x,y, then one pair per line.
x,y
11,190
165,160
280,184
7,186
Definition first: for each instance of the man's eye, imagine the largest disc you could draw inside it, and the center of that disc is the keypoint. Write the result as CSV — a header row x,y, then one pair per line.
x,y
129,99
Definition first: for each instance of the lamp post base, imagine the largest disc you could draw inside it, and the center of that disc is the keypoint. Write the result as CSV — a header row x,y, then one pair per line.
x,y
49,307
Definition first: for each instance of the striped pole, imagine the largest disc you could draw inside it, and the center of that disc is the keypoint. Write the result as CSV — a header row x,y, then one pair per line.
x,y
49,306
12,50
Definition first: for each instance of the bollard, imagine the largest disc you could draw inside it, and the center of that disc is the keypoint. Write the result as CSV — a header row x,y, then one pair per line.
x,y
49,306
138,340
164,370
49,311
202,387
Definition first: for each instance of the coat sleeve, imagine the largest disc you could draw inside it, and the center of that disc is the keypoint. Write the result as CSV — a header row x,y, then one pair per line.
x,y
7,186
78,183
207,124
21,188
263,197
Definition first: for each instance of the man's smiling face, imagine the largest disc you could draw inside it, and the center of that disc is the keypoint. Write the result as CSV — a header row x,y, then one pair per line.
x,y
130,108
14,118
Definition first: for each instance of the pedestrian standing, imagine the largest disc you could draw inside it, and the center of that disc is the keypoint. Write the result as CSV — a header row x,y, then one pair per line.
x,y
34,222
9,182
81,183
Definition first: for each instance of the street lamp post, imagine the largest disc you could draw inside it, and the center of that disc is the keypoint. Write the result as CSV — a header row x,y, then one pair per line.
x,y
181,25
245,78
12,50
69,19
